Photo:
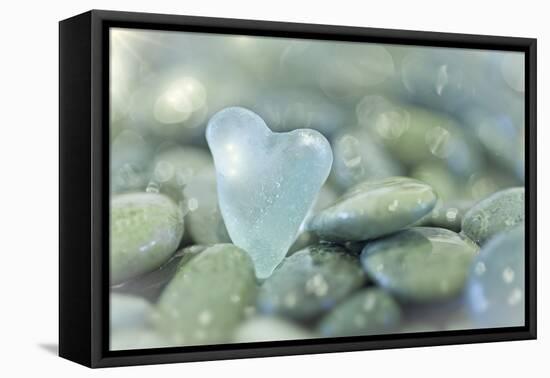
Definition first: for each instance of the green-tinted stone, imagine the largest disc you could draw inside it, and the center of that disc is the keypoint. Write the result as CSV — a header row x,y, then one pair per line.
x,y
175,167
137,338
502,136
373,209
443,182
128,311
446,214
150,284
357,157
146,229
416,135
204,220
130,162
496,286
310,282
369,312
420,264
486,182
207,298
438,316
305,238
263,328
501,211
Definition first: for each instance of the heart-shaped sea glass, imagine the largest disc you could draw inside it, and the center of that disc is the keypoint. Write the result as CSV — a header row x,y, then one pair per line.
x,y
267,182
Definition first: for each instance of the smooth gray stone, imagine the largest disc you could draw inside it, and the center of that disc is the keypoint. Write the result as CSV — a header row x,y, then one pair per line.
x,y
369,312
128,311
416,135
137,338
130,162
502,136
439,316
146,229
177,166
342,71
446,214
420,264
448,186
325,197
207,298
496,286
151,284
443,78
310,282
373,209
287,110
204,220
266,328
358,157
500,211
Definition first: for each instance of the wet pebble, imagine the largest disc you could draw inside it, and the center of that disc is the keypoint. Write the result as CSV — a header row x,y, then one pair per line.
x,y
420,264
140,338
207,298
374,208
447,214
175,167
415,135
264,328
151,284
498,212
204,219
310,282
146,229
369,312
128,311
496,287
358,157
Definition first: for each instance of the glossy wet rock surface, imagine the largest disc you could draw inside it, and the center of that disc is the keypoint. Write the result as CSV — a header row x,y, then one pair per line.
x,y
146,229
207,298
370,311
310,282
374,208
420,264
496,286
496,213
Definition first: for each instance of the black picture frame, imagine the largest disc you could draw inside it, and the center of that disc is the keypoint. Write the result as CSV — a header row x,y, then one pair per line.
x,y
84,187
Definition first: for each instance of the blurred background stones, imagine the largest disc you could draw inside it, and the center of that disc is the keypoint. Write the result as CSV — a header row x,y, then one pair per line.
x,y
419,227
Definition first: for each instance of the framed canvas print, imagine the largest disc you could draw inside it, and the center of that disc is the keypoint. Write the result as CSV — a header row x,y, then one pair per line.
x,y
234,188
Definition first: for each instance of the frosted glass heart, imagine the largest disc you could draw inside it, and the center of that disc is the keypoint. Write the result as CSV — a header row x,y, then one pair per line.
x,y
267,182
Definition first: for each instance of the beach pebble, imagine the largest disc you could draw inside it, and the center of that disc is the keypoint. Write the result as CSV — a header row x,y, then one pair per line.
x,y
374,208
146,229
207,298
263,328
368,312
310,282
496,287
421,264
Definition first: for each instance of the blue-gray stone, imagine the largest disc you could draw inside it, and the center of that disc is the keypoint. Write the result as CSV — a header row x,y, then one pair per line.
x,y
374,208
420,264
498,212
146,229
128,311
310,282
496,287
267,328
369,312
207,298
